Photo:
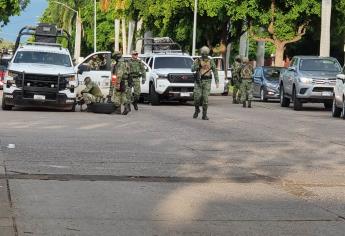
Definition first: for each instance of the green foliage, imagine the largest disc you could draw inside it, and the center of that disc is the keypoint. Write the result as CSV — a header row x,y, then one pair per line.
x,y
10,8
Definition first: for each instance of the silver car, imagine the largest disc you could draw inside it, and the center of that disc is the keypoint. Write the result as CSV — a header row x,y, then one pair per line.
x,y
309,79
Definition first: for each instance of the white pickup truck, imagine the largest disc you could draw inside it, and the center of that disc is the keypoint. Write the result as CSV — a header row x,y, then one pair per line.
x,y
40,74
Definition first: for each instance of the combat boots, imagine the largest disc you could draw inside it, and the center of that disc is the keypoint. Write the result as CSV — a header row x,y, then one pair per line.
x,y
249,104
127,109
204,114
196,113
135,105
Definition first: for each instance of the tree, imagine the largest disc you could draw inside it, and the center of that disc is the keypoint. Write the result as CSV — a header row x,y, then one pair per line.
x,y
284,22
10,8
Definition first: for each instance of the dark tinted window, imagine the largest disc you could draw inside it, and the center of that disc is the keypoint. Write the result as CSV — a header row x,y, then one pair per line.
x,y
319,65
173,62
272,73
43,58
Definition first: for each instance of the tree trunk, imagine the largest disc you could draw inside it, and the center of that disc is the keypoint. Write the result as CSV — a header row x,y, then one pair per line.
x,y
77,44
279,55
131,25
243,45
124,38
260,54
117,34
325,28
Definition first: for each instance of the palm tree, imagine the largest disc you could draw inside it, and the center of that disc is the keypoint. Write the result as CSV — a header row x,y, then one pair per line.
x,y
325,27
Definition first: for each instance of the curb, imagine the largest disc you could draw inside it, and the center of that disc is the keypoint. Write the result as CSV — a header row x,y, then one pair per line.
x,y
6,214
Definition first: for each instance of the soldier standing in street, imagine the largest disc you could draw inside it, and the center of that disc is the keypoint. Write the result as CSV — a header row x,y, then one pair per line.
x,y
120,88
137,70
236,80
246,73
203,67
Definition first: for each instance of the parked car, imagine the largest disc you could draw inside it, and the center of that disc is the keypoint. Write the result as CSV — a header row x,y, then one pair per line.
x,y
338,107
309,79
266,82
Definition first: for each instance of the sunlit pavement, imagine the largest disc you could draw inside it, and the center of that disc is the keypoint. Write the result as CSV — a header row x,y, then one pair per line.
x,y
261,171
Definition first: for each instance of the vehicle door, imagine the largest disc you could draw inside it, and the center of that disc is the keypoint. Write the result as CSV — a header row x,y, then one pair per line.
x,y
221,74
290,75
145,88
339,89
99,70
257,81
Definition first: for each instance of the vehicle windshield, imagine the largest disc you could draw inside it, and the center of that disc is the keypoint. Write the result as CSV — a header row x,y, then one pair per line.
x,y
173,62
272,73
43,58
319,65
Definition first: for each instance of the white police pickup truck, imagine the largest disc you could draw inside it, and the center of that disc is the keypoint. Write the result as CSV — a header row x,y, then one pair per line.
x,y
40,74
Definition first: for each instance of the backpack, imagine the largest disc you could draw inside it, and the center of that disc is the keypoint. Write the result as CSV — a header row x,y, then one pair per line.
x,y
247,71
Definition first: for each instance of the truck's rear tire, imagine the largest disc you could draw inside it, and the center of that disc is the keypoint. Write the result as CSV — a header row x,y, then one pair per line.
x,y
154,97
4,106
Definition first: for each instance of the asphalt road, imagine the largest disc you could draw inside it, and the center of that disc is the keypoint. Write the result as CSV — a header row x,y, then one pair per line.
x,y
261,171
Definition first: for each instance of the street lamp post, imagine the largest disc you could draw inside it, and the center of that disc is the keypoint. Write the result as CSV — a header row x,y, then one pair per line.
x,y
77,30
95,27
194,26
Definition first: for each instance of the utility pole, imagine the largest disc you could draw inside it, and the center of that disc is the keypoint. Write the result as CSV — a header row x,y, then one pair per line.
x,y
194,26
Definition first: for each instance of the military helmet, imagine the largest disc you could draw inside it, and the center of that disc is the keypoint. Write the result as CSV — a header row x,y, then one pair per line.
x,y
204,50
238,58
87,80
245,60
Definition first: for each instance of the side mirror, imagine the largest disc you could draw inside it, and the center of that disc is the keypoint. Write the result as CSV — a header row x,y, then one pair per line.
x,y
292,68
82,68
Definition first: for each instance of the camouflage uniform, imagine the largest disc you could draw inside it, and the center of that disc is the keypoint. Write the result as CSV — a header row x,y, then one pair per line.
x,y
137,70
246,73
97,63
204,66
236,80
92,93
120,92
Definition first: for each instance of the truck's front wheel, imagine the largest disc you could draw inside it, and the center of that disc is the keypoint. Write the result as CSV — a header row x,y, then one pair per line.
x,y
4,106
154,97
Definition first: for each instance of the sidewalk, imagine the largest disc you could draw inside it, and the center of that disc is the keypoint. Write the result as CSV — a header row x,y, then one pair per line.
x,y
6,223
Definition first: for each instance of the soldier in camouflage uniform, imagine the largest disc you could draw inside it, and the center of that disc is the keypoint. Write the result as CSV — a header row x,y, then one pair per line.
x,y
137,70
246,73
236,80
91,93
97,62
204,67
120,89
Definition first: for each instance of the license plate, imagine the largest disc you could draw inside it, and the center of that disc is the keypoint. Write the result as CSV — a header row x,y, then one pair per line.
x,y
39,97
326,94
185,94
